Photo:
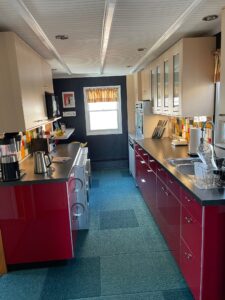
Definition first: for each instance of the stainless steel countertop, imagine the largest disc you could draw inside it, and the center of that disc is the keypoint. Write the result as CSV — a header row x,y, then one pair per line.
x,y
60,171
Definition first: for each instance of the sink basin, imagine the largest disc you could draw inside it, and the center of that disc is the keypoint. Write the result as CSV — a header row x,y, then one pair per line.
x,y
182,161
186,169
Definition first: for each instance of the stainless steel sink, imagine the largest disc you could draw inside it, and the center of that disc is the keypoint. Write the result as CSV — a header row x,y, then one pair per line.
x,y
186,169
183,161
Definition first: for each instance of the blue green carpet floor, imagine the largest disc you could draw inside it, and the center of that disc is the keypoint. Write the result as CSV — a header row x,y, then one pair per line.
x,y
122,257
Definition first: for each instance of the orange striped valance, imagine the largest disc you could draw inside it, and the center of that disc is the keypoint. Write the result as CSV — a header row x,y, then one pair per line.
x,y
102,94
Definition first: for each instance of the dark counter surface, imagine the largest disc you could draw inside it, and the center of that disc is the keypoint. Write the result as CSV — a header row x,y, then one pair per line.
x,y
59,172
161,150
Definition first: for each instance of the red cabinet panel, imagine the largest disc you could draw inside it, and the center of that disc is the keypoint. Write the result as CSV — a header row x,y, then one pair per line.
x,y
190,203
38,226
191,232
169,218
190,267
173,185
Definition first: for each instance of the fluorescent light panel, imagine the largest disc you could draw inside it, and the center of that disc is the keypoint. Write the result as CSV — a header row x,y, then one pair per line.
x,y
110,6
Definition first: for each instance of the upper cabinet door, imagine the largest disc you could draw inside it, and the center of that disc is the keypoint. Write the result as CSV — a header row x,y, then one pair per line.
x,y
184,78
22,102
166,103
176,83
158,90
145,84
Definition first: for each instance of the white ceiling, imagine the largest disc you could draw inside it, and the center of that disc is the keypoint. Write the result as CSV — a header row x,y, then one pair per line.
x,y
136,23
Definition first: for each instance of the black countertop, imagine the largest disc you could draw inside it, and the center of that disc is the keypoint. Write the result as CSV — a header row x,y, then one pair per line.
x,y
161,150
59,172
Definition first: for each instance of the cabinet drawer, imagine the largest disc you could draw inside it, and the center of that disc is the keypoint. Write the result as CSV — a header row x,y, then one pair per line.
x,y
173,185
161,172
152,163
191,232
191,269
190,203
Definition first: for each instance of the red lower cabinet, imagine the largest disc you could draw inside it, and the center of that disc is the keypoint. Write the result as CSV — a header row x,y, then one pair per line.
x,y
191,269
35,222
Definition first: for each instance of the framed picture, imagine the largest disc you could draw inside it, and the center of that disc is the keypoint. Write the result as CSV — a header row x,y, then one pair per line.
x,y
68,99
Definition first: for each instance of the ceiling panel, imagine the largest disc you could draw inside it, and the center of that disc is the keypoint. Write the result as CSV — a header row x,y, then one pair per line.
x,y
136,23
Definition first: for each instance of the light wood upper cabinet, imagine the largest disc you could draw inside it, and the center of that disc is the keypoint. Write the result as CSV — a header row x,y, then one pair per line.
x,y
22,102
187,71
145,84
137,86
47,77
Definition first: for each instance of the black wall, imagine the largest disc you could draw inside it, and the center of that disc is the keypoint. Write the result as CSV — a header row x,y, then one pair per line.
x,y
102,147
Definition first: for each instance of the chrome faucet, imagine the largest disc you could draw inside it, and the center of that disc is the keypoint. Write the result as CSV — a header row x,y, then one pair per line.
x,y
203,128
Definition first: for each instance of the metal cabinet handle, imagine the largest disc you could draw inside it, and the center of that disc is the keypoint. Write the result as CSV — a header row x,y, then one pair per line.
x,y
160,169
189,220
149,171
140,149
163,189
186,198
167,194
145,154
151,160
188,255
78,189
75,209
171,181
142,162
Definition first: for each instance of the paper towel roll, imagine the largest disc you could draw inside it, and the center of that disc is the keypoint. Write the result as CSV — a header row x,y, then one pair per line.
x,y
195,135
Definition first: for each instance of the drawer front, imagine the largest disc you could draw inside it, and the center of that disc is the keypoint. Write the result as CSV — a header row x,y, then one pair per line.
x,y
191,232
173,185
189,202
152,163
191,269
161,173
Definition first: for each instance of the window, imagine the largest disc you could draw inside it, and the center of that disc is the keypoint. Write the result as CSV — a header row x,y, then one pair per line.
x,y
103,110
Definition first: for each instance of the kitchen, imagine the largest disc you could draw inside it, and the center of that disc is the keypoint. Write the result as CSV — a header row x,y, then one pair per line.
x,y
96,60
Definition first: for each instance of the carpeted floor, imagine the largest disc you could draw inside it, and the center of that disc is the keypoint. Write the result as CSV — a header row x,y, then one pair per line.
x,y
122,256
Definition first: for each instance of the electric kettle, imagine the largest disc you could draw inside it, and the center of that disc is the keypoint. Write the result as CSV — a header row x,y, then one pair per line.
x,y
41,162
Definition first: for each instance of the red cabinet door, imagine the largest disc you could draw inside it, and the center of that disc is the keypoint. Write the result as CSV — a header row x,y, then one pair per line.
x,y
151,190
190,267
37,227
162,210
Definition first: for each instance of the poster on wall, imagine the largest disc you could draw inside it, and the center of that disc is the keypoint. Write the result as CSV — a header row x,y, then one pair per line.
x,y
68,99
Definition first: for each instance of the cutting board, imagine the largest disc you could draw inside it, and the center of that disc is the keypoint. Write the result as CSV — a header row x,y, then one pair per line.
x,y
3,268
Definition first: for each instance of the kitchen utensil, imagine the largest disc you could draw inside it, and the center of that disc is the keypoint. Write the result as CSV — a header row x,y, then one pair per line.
x,y
41,162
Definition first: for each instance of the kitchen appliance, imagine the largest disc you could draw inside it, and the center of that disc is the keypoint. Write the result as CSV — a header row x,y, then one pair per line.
x,y
9,165
52,105
46,144
82,171
41,162
141,108
195,136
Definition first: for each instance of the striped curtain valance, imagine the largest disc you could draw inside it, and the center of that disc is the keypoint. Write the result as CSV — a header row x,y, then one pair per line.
x,y
102,95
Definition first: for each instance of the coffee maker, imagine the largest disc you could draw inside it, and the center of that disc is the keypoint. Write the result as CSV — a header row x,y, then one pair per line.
x,y
9,165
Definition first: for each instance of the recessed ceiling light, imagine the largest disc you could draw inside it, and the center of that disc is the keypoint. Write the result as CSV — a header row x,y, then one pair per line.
x,y
141,49
62,37
210,18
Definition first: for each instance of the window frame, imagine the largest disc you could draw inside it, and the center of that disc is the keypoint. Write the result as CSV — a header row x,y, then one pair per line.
x,y
119,130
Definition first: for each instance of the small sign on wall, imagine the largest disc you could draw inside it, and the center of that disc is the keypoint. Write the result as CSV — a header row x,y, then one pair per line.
x,y
68,99
69,114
